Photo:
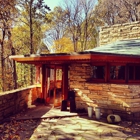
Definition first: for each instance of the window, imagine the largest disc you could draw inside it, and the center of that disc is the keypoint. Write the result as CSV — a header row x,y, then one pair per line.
x,y
116,73
133,73
98,72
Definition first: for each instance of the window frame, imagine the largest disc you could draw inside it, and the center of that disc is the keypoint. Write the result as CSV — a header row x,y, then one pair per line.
x,y
100,64
107,78
116,80
133,81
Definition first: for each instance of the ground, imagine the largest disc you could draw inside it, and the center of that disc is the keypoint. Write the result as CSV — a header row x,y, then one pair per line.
x,y
48,123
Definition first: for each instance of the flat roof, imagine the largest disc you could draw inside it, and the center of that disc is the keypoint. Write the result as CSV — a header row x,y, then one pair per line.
x,y
119,51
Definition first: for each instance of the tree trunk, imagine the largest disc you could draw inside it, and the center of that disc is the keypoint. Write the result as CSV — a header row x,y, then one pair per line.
x,y
31,40
14,73
14,70
2,59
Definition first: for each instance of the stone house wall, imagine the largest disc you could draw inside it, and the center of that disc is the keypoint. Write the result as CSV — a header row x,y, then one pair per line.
x,y
111,98
109,34
14,101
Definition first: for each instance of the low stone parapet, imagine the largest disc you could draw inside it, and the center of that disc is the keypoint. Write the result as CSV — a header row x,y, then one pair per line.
x,y
14,101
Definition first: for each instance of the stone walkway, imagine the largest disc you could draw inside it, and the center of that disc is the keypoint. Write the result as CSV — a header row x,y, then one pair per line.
x,y
27,126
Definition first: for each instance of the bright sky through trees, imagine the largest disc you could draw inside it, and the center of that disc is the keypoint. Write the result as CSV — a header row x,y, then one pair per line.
x,y
53,3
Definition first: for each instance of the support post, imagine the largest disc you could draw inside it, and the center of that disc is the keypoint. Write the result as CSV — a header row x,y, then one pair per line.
x,y
54,92
43,84
37,75
65,86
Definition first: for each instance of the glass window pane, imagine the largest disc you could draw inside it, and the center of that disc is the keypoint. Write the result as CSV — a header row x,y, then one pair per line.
x,y
137,72
98,72
131,72
117,72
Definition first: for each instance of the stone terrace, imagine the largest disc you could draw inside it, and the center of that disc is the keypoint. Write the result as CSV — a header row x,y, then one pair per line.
x,y
28,125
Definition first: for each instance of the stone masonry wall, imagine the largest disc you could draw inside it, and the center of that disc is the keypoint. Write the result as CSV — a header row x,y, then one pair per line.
x,y
109,34
14,101
111,98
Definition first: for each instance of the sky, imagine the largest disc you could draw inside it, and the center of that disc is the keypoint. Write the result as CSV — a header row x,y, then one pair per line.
x,y
52,3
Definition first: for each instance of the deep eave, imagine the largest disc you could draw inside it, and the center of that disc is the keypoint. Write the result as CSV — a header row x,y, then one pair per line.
x,y
125,51
50,58
87,57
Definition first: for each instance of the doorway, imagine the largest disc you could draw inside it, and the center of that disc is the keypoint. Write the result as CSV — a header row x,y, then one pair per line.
x,y
54,86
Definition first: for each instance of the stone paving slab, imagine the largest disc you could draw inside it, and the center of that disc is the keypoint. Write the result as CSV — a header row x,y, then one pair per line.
x,y
43,111
65,128
87,130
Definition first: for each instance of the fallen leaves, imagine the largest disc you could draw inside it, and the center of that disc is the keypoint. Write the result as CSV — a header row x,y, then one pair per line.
x,y
17,130
34,129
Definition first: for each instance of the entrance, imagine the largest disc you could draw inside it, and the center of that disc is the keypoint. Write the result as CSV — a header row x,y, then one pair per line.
x,y
54,86
54,83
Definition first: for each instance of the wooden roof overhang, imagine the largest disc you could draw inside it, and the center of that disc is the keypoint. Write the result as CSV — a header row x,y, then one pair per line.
x,y
124,51
51,59
84,57
110,57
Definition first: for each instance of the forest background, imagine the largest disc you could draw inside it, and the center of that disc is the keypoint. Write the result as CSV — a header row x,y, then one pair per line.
x,y
30,27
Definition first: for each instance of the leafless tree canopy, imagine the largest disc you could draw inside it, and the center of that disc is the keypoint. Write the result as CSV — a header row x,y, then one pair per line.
x,y
118,11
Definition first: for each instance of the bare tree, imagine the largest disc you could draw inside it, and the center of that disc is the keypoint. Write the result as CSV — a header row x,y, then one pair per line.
x,y
56,28
88,25
118,11
133,9
80,21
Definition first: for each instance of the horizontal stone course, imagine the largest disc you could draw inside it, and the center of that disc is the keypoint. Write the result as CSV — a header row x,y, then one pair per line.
x,y
109,34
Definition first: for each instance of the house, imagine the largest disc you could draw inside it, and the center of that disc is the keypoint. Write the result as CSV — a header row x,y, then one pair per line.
x,y
107,76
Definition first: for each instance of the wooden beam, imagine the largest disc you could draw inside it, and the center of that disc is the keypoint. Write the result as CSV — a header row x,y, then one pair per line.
x,y
37,76
43,84
54,91
65,86
48,85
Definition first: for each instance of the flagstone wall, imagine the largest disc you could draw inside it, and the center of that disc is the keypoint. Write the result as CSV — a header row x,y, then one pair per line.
x,y
109,34
14,101
121,99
